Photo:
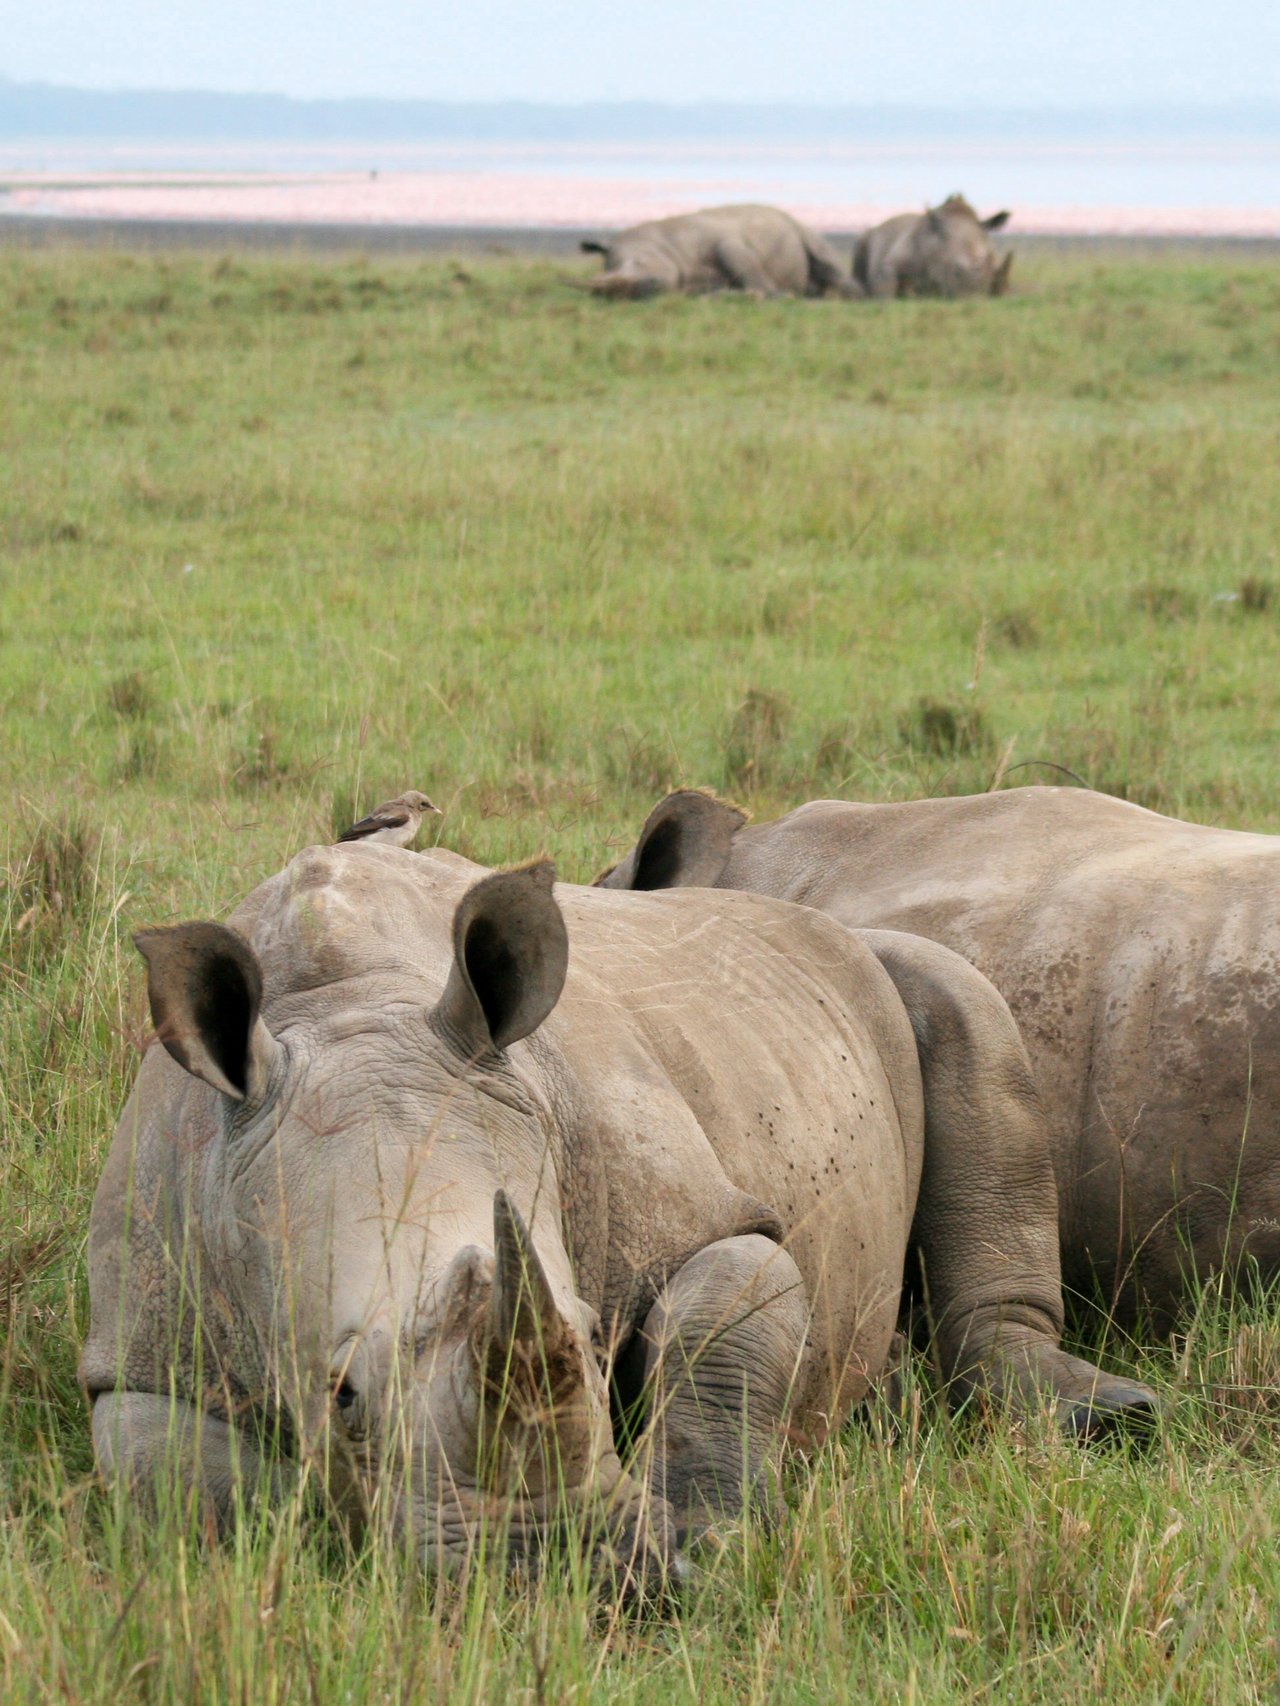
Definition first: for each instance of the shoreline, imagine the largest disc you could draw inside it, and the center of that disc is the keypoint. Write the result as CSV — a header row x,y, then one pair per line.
x,y
412,207
45,231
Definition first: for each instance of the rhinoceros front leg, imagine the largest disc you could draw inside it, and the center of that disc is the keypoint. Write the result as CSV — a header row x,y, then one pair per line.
x,y
148,1443
724,1348
883,283
828,280
742,269
986,1226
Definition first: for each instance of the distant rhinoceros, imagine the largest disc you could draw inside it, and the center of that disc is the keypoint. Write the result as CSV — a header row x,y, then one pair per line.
x,y
426,1145
758,249
944,251
1141,959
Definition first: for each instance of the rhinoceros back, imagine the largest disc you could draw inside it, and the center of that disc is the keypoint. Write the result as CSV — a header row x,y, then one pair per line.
x,y
788,1045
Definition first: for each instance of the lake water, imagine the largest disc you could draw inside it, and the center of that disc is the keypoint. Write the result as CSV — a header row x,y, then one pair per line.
x,y
1191,187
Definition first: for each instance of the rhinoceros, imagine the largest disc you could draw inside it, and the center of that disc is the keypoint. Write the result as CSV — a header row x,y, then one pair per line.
x,y
425,1147
760,249
944,251
1140,957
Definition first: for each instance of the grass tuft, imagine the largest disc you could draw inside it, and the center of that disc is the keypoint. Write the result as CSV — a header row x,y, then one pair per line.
x,y
753,743
1162,601
1016,628
54,874
262,761
940,728
1255,594
130,696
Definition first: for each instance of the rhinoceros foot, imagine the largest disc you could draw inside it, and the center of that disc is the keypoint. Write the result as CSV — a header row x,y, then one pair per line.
x,y
1111,1406
1086,1402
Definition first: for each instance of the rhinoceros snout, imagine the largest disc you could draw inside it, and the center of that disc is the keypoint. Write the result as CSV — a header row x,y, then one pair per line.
x,y
634,1562
640,1565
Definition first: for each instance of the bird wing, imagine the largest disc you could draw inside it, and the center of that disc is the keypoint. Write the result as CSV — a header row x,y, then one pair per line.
x,y
386,817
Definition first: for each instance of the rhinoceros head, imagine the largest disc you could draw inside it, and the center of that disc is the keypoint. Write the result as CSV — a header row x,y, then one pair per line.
x,y
956,253
378,1211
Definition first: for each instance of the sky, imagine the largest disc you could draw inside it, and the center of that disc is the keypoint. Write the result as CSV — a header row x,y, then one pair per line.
x,y
952,53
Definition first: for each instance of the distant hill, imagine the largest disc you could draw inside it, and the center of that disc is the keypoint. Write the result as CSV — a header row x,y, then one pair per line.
x,y
48,112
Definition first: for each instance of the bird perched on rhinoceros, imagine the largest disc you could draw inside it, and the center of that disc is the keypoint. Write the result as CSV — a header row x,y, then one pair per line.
x,y
424,1155
944,251
756,249
1140,957
395,822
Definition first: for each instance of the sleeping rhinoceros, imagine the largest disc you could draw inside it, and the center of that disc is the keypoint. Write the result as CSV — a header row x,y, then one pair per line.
x,y
944,251
1140,957
425,1145
759,249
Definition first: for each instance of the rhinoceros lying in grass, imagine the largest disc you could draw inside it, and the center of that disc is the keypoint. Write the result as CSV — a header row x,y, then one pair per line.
x,y
414,1157
945,251
1141,959
759,249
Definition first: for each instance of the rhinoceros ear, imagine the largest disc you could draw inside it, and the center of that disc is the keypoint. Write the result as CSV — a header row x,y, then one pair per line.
x,y
997,221
205,988
510,956
685,843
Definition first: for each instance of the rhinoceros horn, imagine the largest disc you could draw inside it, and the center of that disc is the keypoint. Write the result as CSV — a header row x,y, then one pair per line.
x,y
528,1346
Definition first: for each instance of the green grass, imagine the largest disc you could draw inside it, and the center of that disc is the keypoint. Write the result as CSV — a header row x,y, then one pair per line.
x,y
279,537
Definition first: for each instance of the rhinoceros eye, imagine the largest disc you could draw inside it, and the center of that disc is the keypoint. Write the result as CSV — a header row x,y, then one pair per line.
x,y
345,1397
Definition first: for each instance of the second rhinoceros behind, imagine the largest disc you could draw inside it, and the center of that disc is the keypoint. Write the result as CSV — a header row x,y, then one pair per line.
x,y
1140,957
944,251
759,249
425,1148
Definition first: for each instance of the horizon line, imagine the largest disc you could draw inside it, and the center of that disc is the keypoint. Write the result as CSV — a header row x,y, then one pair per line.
x,y
710,104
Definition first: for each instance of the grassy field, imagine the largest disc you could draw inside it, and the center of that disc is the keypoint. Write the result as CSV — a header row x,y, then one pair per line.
x,y
280,536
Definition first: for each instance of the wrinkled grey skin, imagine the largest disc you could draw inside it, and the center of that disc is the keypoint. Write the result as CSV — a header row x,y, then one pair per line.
x,y
402,1182
944,251
1140,957
757,249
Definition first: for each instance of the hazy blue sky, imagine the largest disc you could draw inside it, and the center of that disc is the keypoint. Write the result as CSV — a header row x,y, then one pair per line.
x,y
915,52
